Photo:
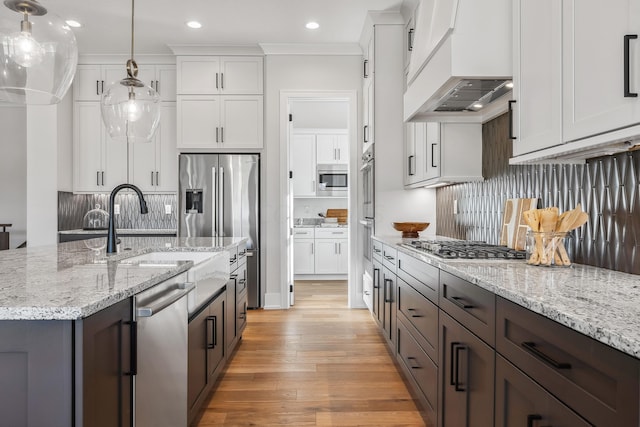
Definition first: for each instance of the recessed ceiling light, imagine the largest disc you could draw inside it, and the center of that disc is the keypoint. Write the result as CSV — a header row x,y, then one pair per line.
x,y
312,25
194,24
74,24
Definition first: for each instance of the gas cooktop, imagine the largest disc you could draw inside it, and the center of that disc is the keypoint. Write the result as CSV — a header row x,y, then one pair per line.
x,y
465,249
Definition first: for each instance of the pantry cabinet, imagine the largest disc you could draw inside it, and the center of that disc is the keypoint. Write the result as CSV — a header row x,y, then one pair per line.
x,y
320,251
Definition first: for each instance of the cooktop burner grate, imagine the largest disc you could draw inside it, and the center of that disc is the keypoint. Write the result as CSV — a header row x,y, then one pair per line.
x,y
465,249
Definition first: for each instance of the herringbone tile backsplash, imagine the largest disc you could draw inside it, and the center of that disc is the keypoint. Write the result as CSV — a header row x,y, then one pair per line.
x,y
73,207
608,189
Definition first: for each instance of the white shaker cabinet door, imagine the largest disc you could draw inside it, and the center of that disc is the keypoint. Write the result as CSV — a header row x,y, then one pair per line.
x,y
198,121
326,256
342,259
115,162
241,75
537,75
594,66
303,257
166,153
303,165
87,147
241,118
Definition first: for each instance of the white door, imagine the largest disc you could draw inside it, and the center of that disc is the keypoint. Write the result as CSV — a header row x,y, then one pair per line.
x,y
303,164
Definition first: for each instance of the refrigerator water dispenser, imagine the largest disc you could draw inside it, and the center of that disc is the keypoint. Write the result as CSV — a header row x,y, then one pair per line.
x,y
194,201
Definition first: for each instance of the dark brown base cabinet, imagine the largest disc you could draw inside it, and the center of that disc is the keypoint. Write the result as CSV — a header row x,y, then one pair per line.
x,y
522,402
68,373
475,359
206,351
466,377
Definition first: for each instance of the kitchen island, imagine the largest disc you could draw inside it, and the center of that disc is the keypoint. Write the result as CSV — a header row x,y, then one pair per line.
x,y
510,342
67,328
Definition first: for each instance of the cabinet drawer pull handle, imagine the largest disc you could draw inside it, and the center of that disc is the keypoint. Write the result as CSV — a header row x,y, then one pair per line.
x,y
531,348
410,165
102,175
216,80
413,366
627,65
217,134
97,87
433,165
460,303
365,68
213,335
457,386
452,363
376,250
511,136
389,257
221,134
376,270
151,177
531,418
390,299
365,133
414,315
133,355
97,177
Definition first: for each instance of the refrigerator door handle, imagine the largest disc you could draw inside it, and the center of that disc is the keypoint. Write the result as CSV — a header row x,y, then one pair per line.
x,y
214,211
221,203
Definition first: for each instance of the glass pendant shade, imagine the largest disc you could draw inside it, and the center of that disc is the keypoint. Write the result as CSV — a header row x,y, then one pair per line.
x,y
38,54
130,110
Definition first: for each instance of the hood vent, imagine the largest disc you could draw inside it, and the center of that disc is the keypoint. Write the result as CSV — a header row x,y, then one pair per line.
x,y
458,61
472,95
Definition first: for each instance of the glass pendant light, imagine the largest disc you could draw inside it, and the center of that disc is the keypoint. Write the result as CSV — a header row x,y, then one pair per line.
x,y
130,110
38,54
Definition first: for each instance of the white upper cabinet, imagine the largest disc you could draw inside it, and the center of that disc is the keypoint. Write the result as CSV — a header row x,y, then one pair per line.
x,y
537,75
446,153
92,80
215,121
162,78
414,143
332,148
230,75
577,76
594,67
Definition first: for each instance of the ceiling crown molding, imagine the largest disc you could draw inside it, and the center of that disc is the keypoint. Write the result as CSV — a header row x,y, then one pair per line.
x,y
215,49
311,49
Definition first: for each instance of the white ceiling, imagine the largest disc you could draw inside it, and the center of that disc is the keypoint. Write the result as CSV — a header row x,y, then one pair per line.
x,y
107,23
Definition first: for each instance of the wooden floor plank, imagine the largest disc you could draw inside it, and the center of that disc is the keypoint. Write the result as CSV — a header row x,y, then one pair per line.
x,y
317,364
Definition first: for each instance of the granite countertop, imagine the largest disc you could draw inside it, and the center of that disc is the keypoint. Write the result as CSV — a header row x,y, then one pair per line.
x,y
602,304
123,231
74,280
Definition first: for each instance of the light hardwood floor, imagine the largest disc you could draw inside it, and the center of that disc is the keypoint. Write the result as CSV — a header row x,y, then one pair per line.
x,y
317,364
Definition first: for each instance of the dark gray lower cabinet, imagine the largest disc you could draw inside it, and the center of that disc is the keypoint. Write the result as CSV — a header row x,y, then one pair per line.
x,y
388,303
522,402
466,377
206,351
107,366
377,290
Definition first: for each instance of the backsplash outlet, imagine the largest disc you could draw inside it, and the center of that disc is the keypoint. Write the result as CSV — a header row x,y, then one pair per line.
x,y
608,189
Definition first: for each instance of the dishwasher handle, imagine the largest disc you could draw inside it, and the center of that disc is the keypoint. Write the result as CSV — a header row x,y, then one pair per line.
x,y
166,300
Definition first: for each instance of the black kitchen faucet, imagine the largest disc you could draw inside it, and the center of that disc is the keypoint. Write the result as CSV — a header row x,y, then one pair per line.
x,y
112,239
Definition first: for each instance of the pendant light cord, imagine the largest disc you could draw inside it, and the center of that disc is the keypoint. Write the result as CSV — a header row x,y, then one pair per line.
x,y
132,26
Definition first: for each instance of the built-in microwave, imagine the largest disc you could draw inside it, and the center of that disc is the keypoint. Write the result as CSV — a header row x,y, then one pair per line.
x,y
333,180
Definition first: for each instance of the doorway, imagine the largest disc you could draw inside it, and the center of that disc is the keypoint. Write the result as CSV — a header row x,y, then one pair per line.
x,y
320,133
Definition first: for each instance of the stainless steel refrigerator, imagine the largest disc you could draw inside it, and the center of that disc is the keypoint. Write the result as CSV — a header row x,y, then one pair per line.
x,y
220,197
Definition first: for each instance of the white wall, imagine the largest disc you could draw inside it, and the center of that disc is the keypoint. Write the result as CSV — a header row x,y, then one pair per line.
x,y
314,114
291,73
13,172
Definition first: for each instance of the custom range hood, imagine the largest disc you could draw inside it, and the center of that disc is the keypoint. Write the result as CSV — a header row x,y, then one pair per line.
x,y
461,61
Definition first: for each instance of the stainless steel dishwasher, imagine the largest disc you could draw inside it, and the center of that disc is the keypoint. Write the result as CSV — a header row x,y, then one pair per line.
x,y
161,379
